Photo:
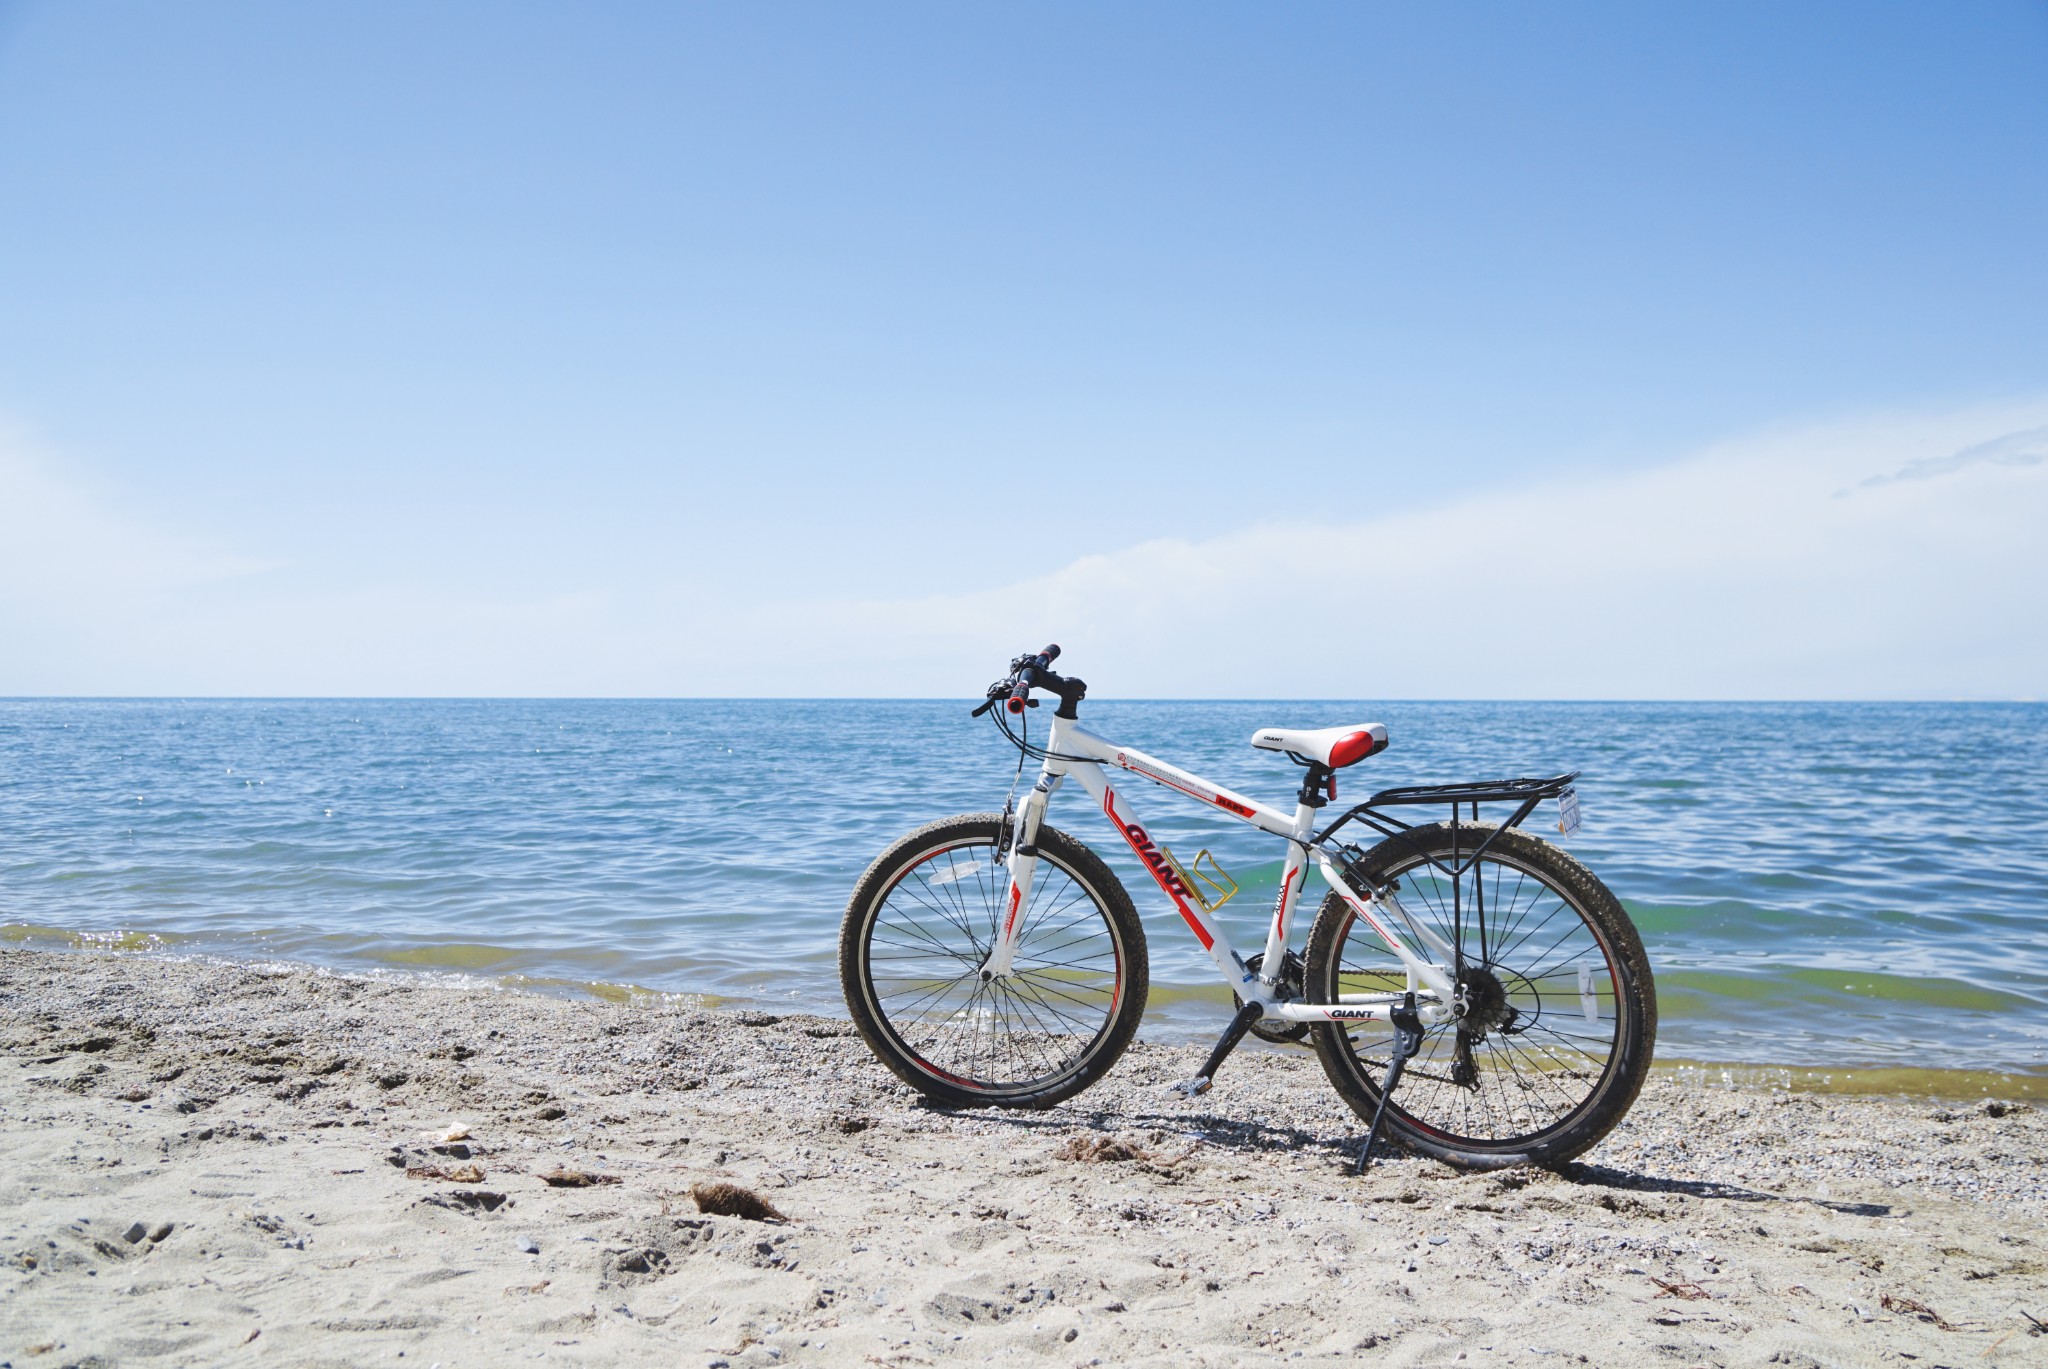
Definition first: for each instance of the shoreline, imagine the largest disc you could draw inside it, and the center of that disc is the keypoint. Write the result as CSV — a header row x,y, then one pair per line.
x,y
292,1135
1849,1079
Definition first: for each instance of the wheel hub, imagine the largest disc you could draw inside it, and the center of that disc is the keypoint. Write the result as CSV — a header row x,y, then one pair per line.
x,y
1482,1002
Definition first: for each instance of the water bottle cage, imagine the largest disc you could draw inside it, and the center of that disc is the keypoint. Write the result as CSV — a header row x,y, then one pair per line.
x,y
1212,888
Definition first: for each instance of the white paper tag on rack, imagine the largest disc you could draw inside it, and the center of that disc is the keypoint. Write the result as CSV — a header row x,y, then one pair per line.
x,y
1568,813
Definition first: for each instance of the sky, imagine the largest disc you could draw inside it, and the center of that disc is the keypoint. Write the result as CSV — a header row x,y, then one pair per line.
x,y
1306,351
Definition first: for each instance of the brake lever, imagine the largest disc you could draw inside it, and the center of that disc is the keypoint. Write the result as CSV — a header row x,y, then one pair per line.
x,y
991,703
997,692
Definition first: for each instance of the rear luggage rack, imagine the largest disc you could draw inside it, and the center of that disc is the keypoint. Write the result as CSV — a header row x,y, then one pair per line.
x,y
1525,793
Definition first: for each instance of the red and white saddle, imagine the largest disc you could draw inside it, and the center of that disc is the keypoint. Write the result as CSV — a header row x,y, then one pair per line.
x,y
1335,747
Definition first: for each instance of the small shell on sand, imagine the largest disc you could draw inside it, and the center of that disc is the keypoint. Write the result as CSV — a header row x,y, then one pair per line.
x,y
560,1177
730,1200
458,1132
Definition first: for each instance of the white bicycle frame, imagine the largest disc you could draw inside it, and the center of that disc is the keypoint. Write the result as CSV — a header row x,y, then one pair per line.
x,y
1074,750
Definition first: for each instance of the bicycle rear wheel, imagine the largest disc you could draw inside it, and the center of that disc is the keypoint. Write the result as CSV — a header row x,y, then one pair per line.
x,y
1558,1014
917,931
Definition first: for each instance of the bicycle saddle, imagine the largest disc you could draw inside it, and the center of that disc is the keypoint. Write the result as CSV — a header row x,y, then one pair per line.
x,y
1335,747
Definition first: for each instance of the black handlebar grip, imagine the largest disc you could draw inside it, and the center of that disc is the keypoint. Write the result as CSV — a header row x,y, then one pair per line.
x,y
1050,654
1020,689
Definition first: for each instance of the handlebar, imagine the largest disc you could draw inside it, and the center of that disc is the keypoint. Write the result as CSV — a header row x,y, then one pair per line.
x,y
1029,672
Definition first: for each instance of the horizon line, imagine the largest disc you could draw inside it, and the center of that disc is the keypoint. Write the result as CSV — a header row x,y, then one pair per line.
x,y
966,699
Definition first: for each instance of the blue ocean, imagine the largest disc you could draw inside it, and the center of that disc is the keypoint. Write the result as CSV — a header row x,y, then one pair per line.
x,y
1822,887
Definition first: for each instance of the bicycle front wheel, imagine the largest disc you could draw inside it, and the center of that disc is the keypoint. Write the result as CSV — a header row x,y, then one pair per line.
x,y
1557,1016
918,930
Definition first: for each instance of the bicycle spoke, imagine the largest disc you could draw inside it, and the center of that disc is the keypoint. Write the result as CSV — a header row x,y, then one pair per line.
x,y
927,945
1537,929
1503,942
929,994
1029,1009
935,907
1048,989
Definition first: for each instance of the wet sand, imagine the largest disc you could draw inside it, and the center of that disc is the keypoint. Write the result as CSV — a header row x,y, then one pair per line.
x,y
211,1163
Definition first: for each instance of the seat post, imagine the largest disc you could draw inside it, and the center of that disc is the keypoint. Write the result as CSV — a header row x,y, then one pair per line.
x,y
1294,878
1313,785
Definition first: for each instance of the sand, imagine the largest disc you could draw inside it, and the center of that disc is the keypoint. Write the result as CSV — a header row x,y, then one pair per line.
x,y
226,1164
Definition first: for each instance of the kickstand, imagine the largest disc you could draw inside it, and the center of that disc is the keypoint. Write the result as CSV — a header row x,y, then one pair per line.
x,y
1225,1044
1407,1041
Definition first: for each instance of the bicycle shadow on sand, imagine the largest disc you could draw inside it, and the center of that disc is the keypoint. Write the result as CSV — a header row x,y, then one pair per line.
x,y
1226,1133
1238,1136
1606,1176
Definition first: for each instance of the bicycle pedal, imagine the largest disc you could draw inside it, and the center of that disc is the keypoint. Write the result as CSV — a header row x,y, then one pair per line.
x,y
1192,1088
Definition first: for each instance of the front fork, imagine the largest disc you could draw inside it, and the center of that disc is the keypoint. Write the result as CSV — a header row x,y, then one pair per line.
x,y
1023,868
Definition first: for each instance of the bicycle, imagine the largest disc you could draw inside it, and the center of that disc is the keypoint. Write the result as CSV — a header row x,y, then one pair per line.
x,y
1468,986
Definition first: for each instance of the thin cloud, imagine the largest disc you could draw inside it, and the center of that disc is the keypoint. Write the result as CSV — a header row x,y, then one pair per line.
x,y
2028,448
1731,575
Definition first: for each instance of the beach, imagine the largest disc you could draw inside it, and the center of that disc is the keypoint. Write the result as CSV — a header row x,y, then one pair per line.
x,y
210,1162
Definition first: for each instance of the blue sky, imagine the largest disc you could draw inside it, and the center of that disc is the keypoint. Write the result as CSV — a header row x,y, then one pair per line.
x,y
699,349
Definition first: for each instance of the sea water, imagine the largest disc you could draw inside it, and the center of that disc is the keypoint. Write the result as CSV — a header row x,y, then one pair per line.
x,y
1820,886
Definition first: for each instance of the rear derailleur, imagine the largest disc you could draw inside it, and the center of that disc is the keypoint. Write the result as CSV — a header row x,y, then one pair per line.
x,y
1481,1007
